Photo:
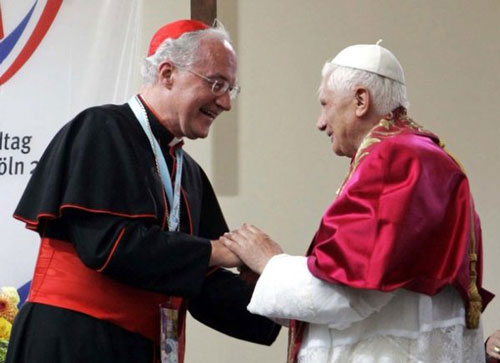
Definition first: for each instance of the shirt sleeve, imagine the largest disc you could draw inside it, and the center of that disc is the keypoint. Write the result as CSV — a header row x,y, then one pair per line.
x,y
287,290
139,253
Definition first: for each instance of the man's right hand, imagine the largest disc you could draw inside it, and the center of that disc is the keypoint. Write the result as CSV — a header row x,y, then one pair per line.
x,y
222,256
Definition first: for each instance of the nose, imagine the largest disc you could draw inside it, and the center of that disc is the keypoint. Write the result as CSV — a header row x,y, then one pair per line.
x,y
321,124
224,101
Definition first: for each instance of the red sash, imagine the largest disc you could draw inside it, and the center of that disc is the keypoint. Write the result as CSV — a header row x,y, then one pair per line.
x,y
62,280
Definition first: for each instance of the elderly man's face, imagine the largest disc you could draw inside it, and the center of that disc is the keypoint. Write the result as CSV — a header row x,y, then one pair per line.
x,y
338,120
196,107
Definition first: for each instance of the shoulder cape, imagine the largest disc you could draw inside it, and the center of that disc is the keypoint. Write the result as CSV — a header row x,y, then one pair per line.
x,y
401,219
101,162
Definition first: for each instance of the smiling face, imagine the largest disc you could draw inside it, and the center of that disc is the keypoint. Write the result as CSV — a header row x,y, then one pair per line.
x,y
346,117
194,105
337,119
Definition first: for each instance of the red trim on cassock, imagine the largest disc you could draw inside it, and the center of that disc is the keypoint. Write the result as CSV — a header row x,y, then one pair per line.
x,y
165,207
31,224
171,152
112,250
188,211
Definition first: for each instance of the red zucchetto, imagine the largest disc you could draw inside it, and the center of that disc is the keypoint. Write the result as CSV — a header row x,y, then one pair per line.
x,y
173,31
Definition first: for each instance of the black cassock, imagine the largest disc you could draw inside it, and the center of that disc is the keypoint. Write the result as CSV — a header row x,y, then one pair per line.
x,y
96,183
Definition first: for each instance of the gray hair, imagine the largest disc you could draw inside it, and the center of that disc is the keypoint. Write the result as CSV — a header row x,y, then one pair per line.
x,y
387,94
183,51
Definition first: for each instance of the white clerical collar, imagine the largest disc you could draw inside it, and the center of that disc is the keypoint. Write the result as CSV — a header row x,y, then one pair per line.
x,y
174,141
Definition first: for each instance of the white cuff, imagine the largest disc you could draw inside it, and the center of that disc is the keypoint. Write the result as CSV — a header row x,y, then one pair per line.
x,y
287,290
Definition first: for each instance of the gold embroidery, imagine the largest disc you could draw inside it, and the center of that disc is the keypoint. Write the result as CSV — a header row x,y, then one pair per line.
x,y
394,123
385,123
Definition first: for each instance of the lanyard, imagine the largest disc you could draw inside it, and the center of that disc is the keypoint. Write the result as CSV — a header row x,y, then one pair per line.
x,y
174,197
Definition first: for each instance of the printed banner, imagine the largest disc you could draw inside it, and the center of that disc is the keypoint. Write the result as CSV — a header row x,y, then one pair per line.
x,y
57,57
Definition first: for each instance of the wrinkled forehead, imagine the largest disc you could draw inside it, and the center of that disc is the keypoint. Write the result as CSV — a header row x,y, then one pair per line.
x,y
214,44
218,58
211,47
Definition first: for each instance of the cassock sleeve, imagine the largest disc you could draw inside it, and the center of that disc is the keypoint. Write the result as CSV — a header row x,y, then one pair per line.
x,y
221,305
139,254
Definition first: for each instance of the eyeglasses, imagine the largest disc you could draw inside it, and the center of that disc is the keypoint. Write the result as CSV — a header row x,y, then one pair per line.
x,y
219,87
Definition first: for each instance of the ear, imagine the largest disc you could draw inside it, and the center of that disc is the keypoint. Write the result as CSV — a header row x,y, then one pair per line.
x,y
363,101
165,74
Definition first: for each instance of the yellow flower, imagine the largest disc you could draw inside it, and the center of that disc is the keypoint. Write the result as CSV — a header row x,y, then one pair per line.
x,y
9,299
5,328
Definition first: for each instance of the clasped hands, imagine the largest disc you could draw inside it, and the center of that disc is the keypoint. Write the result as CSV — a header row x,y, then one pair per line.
x,y
247,245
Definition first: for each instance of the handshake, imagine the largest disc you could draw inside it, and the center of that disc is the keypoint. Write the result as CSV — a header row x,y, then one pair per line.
x,y
246,245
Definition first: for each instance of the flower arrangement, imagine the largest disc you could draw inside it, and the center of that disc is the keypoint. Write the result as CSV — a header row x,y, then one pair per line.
x,y
9,299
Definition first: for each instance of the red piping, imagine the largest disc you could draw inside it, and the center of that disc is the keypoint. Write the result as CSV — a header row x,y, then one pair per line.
x,y
112,250
188,211
74,206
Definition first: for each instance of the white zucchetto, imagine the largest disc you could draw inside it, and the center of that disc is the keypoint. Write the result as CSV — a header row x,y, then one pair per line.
x,y
371,58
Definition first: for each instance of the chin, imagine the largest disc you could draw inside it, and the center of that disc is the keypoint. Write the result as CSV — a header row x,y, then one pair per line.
x,y
197,135
339,152
336,150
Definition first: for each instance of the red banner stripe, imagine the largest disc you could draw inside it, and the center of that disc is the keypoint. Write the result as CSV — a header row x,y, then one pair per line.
x,y
46,19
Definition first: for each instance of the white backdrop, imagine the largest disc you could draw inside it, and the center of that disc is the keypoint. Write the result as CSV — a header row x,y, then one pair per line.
x,y
88,56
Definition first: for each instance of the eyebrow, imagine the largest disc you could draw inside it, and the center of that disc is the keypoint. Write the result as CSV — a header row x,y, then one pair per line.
x,y
217,75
